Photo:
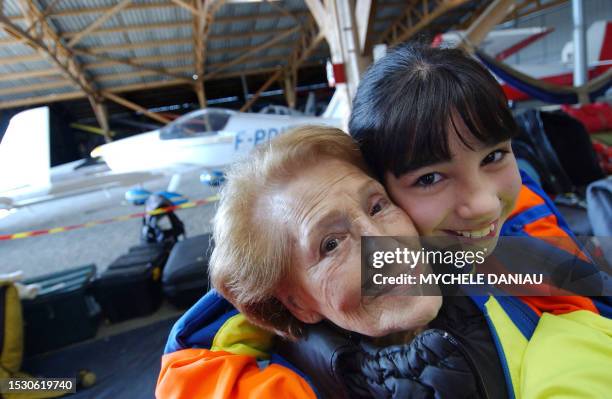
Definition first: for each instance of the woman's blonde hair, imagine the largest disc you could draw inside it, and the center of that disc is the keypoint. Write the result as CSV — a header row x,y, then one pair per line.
x,y
252,254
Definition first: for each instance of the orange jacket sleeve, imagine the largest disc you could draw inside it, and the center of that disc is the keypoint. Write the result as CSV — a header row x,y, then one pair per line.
x,y
201,373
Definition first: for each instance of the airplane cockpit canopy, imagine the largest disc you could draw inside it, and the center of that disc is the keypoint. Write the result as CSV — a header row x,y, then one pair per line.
x,y
203,122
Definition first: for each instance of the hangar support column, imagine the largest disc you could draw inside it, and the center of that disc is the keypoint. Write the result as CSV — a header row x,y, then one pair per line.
x,y
580,56
336,21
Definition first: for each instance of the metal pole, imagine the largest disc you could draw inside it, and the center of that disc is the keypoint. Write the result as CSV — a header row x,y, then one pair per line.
x,y
580,56
245,88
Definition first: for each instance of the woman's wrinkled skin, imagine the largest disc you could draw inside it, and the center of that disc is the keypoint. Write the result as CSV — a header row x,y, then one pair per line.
x,y
326,209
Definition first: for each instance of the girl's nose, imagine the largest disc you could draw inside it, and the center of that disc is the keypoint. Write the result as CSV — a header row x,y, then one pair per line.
x,y
479,202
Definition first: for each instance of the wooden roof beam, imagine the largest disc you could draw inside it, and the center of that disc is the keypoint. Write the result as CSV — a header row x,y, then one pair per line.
x,y
54,84
258,71
50,98
39,73
523,9
471,18
254,50
138,74
365,13
319,13
135,107
77,12
160,6
142,61
258,17
185,55
21,58
132,28
491,16
101,113
325,14
49,44
186,68
275,76
188,7
46,99
284,12
42,16
202,22
129,62
98,22
177,42
57,54
310,39
197,30
417,16
139,45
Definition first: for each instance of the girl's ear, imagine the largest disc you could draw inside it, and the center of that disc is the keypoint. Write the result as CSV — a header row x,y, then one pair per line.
x,y
293,300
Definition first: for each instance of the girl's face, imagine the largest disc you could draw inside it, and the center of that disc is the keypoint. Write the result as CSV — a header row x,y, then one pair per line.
x,y
469,196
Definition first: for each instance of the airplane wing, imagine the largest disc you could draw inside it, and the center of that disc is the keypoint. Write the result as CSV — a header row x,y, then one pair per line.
x,y
500,44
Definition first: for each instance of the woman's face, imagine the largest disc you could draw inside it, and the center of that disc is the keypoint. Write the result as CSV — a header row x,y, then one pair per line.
x,y
469,196
327,209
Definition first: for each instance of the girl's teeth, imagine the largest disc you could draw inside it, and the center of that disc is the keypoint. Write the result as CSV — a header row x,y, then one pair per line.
x,y
479,233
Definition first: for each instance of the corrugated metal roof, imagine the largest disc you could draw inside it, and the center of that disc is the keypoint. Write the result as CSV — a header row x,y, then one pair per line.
x,y
159,34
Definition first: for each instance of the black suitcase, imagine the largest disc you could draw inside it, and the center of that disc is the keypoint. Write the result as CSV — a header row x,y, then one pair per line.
x,y
152,247
131,285
152,257
64,312
185,277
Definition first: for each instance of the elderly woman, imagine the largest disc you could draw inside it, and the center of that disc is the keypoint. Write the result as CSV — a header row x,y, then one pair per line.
x,y
288,234
287,317
288,255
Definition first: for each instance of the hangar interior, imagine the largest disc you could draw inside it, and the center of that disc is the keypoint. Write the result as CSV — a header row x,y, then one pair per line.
x,y
99,73
96,62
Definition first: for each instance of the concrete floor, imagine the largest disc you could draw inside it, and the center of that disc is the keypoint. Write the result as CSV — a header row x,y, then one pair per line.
x,y
99,244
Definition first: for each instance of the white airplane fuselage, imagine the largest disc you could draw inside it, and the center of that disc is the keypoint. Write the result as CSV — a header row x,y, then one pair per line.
x,y
242,132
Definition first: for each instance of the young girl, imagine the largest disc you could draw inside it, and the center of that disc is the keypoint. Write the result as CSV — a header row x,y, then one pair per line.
x,y
435,128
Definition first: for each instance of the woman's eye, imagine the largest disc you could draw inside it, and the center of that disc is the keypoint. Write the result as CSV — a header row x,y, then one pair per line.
x,y
329,245
428,179
494,156
377,207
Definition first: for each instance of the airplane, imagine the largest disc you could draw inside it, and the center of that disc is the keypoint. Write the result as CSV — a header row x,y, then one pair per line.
x,y
206,139
24,150
209,138
501,44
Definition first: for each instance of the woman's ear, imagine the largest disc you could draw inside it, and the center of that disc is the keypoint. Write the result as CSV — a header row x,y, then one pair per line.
x,y
294,301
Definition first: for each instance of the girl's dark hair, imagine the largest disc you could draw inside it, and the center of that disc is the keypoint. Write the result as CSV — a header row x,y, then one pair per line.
x,y
405,103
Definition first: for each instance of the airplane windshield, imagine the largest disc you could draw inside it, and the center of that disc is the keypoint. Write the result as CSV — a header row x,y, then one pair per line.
x,y
206,122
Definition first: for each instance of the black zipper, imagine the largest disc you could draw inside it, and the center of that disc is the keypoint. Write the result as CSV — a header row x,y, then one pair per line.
x,y
454,341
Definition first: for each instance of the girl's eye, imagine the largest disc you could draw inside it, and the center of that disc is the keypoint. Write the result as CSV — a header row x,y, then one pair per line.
x,y
329,245
494,156
428,180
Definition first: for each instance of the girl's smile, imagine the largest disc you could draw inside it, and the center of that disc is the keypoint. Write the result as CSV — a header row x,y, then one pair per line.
x,y
469,196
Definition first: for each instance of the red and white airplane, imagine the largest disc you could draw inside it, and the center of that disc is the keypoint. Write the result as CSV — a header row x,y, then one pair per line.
x,y
501,44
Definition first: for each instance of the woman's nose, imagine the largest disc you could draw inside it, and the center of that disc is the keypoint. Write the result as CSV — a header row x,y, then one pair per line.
x,y
368,227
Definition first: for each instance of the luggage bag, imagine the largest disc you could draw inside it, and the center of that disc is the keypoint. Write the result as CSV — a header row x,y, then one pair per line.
x,y
64,312
185,277
131,286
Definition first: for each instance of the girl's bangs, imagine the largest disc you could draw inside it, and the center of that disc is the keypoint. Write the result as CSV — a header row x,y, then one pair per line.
x,y
446,95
